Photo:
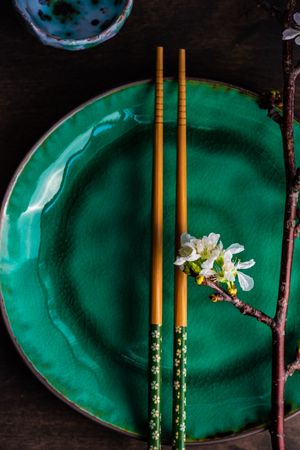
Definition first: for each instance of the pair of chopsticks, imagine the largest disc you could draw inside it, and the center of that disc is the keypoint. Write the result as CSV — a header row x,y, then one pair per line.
x,y
180,297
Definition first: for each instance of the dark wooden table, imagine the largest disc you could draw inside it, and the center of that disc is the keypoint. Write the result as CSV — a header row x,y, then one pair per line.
x,y
230,40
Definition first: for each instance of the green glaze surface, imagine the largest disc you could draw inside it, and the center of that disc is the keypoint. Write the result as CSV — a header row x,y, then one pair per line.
x,y
179,388
75,258
155,362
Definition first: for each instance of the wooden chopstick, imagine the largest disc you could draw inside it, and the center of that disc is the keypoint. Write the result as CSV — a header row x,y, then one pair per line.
x,y
155,338
180,294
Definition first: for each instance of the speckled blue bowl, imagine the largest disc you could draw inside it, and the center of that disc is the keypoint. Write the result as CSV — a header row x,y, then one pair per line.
x,y
74,24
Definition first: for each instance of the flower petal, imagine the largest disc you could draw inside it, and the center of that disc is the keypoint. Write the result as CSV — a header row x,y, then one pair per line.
x,y
179,261
213,238
207,272
245,281
227,256
187,250
245,264
229,276
290,33
185,238
235,248
192,257
297,40
296,18
208,264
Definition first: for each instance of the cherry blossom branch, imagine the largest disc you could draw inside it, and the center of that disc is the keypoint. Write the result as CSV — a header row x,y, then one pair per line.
x,y
294,366
243,307
292,193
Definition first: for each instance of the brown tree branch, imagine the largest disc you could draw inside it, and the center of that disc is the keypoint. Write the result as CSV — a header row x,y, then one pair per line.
x,y
278,342
243,307
294,366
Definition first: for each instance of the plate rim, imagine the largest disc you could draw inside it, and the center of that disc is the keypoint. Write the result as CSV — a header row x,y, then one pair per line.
x,y
209,441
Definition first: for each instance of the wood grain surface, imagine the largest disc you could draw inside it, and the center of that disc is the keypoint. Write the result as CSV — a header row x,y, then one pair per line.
x,y
230,40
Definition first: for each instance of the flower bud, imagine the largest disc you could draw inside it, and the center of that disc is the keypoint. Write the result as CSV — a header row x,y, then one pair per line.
x,y
216,298
232,290
200,279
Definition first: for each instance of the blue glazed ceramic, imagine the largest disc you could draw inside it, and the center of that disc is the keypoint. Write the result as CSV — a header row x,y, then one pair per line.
x,y
74,24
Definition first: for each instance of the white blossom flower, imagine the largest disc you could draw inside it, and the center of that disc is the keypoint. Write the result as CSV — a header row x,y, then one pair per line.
x,y
208,258
229,270
193,249
293,32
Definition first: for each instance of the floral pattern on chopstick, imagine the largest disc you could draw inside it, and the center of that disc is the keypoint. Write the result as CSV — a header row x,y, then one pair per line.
x,y
179,388
154,441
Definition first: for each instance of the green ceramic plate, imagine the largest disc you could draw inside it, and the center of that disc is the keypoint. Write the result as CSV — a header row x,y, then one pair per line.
x,y
75,240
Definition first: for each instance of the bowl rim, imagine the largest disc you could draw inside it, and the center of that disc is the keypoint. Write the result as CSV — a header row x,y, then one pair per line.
x,y
55,40
200,442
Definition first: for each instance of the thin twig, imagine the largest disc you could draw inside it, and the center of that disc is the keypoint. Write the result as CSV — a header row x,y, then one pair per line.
x,y
297,70
243,307
294,366
278,342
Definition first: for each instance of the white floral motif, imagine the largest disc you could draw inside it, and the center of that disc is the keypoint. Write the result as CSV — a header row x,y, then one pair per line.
x,y
176,362
155,334
155,370
178,330
182,427
155,347
176,385
156,358
155,435
154,413
156,399
151,424
154,385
